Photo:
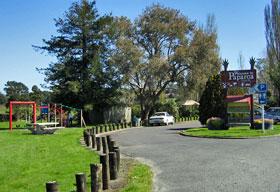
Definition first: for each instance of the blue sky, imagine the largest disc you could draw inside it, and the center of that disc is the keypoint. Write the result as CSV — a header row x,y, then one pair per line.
x,y
25,23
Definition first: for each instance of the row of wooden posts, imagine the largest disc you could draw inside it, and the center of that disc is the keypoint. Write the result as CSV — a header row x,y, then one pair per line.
x,y
100,174
189,118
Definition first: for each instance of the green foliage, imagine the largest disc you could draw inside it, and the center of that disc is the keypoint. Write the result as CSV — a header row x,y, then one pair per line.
x,y
136,110
3,99
272,33
16,91
170,106
205,61
212,102
215,123
82,75
153,52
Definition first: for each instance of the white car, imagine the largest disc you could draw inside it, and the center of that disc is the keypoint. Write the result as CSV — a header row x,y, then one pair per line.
x,y
160,118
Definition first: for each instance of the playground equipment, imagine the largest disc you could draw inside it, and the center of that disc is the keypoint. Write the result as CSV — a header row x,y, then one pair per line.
x,y
55,110
21,103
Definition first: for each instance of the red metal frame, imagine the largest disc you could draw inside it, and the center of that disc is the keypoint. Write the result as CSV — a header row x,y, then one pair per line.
x,y
21,103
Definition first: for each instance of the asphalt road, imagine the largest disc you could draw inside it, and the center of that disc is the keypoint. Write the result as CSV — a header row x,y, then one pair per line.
x,y
188,164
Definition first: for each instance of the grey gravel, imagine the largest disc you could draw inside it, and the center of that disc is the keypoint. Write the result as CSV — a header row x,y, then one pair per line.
x,y
188,164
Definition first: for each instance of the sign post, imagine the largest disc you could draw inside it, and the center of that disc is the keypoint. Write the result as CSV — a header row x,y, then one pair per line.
x,y
262,89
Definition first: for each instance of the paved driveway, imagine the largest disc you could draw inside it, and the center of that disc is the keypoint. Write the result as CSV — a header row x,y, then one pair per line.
x,y
186,164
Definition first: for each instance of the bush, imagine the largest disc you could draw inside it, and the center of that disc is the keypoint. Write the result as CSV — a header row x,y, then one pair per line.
x,y
268,123
216,123
212,102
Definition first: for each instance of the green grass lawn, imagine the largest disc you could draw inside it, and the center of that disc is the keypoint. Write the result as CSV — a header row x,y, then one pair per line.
x,y
29,161
5,125
234,132
139,179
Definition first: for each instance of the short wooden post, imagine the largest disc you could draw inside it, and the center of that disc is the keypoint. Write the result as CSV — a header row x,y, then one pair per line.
x,y
118,156
108,137
93,141
52,186
113,165
112,145
113,127
105,171
105,145
101,128
97,129
98,144
81,182
106,127
93,130
96,185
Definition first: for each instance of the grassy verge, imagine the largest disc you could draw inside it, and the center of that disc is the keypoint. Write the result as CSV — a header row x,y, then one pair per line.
x,y
29,161
139,179
234,132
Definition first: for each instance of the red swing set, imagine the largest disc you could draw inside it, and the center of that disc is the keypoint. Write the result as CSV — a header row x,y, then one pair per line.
x,y
21,103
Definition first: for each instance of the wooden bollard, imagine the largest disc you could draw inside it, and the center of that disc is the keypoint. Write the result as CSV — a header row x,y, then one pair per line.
x,y
93,130
108,137
105,171
85,135
106,128
52,186
101,129
98,144
81,182
88,140
105,145
112,145
96,180
118,156
93,141
96,130
113,165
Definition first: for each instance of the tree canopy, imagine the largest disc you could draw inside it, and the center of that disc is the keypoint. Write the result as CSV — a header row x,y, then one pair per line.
x,y
82,75
157,49
272,33
16,91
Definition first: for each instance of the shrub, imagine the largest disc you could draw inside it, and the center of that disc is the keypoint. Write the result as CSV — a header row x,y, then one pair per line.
x,y
268,123
212,102
216,123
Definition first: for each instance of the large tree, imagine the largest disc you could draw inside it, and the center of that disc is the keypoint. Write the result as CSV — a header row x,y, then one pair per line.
x,y
16,91
155,51
82,76
272,32
205,60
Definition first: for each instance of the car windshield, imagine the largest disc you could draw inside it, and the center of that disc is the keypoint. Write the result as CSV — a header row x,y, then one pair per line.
x,y
159,114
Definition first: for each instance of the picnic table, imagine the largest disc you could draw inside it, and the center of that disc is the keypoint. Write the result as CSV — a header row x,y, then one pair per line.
x,y
44,128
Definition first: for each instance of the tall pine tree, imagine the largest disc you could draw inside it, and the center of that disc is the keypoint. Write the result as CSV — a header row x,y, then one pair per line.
x,y
82,76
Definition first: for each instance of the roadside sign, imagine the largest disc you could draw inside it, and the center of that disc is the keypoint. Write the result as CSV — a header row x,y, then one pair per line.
x,y
261,87
262,98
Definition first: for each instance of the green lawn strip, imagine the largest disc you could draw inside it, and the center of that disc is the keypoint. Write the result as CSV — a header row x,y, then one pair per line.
x,y
140,179
29,161
234,132
5,125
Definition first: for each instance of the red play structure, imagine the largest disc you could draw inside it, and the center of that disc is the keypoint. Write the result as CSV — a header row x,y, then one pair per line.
x,y
21,103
